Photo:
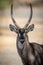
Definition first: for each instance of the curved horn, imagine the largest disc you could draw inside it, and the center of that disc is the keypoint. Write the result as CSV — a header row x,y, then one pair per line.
x,y
30,17
12,17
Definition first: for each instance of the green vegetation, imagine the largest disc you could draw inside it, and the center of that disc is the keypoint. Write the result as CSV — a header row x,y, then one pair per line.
x,y
4,4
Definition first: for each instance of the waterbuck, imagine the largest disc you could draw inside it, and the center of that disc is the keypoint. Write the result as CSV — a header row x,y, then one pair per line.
x,y
30,53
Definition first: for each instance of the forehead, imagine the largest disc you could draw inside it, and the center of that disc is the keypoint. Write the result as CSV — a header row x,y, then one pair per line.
x,y
21,30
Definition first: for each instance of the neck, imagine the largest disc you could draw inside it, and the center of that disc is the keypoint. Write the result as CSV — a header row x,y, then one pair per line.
x,y
25,43
27,40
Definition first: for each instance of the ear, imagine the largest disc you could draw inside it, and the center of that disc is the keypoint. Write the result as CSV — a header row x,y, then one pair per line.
x,y
13,28
30,28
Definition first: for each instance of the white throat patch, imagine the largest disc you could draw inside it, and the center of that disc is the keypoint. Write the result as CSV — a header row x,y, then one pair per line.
x,y
20,45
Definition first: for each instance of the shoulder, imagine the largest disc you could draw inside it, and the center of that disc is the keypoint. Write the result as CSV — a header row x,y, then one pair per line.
x,y
35,44
37,47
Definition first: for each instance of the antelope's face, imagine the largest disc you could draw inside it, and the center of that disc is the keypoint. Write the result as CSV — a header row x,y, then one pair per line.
x,y
21,35
21,32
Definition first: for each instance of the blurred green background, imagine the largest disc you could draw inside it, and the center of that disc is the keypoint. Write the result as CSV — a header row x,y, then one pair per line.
x,y
5,3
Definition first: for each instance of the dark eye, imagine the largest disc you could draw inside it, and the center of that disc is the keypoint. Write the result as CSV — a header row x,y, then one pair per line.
x,y
19,31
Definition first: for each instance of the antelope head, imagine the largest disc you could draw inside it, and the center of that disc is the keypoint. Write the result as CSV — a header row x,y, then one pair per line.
x,y
21,32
